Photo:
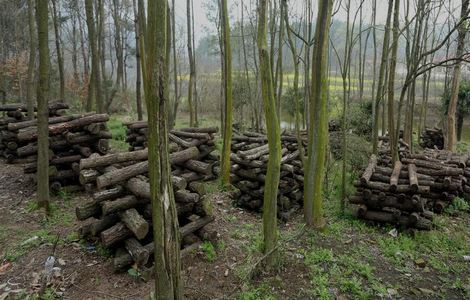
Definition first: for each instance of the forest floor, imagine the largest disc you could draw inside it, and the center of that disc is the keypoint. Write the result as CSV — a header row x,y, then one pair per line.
x,y
348,260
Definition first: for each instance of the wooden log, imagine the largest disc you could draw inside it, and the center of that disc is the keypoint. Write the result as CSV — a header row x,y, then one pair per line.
x,y
200,129
192,135
184,196
88,175
114,234
365,177
199,167
135,222
386,187
185,144
59,128
421,223
123,174
395,175
119,204
53,120
139,254
195,225
23,108
413,177
116,158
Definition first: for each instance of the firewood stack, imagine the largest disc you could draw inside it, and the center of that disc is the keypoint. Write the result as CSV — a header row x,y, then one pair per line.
x,y
249,163
119,216
17,113
411,190
432,138
71,138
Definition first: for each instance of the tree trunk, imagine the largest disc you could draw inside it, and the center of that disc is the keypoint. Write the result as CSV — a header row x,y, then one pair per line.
x,y
227,134
138,80
391,81
274,141
318,125
168,283
43,111
381,82
192,70
450,137
32,60
60,58
95,81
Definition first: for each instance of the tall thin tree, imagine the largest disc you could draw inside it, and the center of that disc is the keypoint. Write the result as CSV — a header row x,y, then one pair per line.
x,y
318,124
274,139
168,283
42,17
32,60
227,134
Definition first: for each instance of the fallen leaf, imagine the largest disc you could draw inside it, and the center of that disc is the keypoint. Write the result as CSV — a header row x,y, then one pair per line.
x,y
5,267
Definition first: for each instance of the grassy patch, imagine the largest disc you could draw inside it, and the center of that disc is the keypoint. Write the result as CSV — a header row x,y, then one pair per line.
x,y
118,130
209,251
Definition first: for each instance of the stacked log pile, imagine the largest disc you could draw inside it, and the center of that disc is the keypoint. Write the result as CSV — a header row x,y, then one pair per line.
x,y
17,113
412,189
249,163
71,138
432,138
119,214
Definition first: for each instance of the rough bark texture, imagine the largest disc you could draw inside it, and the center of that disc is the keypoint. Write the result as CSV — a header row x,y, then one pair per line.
x,y
43,112
227,134
168,283
318,125
451,139
274,140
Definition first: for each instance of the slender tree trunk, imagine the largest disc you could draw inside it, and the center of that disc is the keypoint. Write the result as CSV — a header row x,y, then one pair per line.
x,y
95,72
279,70
381,83
168,283
391,82
138,80
450,138
318,130
195,92
227,134
296,61
192,121
60,59
32,60
118,45
175,67
43,110
274,141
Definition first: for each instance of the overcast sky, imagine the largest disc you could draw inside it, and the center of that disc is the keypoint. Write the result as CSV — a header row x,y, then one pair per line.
x,y
202,25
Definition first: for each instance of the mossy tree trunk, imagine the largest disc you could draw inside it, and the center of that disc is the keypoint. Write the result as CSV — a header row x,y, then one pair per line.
x,y
391,82
270,233
318,123
58,49
168,283
228,94
95,78
296,61
381,82
451,138
43,110
32,60
192,69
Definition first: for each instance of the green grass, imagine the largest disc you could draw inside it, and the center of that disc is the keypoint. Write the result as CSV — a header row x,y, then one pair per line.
x,y
118,130
209,251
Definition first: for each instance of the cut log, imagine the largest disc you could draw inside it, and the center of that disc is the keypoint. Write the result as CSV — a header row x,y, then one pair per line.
x,y
116,158
370,169
123,174
135,222
413,177
139,254
124,203
395,175
115,234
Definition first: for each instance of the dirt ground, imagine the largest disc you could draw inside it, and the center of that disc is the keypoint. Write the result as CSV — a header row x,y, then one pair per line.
x,y
349,260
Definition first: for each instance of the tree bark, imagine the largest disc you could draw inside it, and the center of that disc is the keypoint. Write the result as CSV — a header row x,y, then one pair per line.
x,y
450,137
32,60
273,129
318,125
42,98
227,134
